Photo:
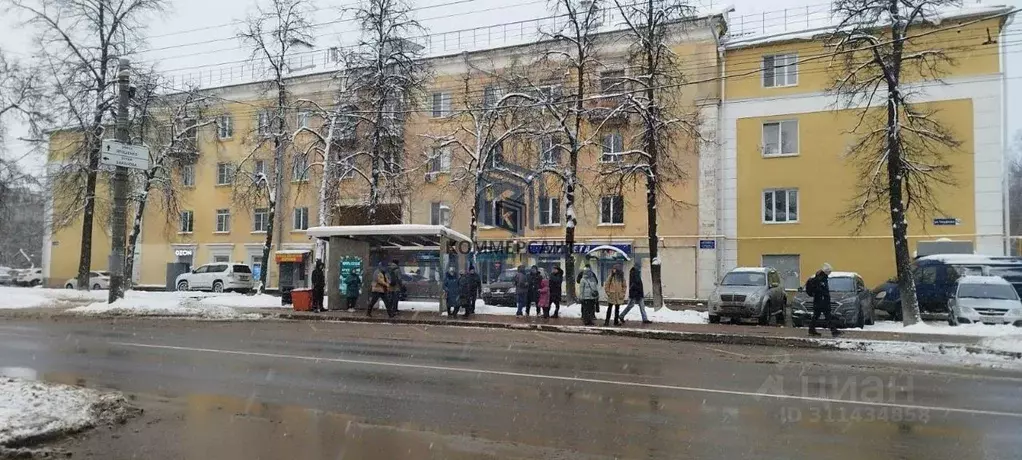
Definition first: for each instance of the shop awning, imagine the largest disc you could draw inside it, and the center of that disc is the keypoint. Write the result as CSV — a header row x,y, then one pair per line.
x,y
290,255
408,235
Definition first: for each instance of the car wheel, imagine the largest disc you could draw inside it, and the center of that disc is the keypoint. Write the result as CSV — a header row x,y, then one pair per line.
x,y
69,286
218,286
714,319
764,318
96,287
35,283
182,286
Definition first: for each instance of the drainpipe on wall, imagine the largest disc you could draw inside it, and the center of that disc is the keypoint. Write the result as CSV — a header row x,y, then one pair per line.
x,y
1005,158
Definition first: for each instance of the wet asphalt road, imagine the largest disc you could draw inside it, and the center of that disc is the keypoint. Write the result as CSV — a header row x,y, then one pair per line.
x,y
270,390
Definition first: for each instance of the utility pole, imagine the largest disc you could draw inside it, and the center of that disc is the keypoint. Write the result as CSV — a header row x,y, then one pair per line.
x,y
120,188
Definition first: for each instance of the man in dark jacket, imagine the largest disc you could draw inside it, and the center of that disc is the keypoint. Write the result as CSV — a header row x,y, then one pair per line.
x,y
820,290
452,290
352,288
397,286
636,294
522,290
534,281
556,279
318,286
469,285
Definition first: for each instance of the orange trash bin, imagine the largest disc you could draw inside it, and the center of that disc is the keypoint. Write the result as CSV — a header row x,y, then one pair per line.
x,y
301,299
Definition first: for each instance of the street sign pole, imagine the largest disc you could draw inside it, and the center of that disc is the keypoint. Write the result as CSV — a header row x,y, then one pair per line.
x,y
120,189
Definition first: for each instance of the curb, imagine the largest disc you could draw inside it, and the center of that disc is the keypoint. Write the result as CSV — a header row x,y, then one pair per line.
x,y
675,336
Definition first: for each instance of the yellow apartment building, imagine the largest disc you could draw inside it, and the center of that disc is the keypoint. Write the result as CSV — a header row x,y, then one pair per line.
x,y
785,174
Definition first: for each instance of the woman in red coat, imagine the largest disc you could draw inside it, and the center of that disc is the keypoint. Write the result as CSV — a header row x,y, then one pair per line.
x,y
544,294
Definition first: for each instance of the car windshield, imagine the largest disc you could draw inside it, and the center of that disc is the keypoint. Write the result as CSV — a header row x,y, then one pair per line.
x,y
842,284
744,279
242,269
506,277
987,291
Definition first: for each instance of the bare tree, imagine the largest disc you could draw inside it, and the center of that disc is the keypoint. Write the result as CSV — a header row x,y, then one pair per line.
x,y
651,93
20,99
1015,189
274,34
168,125
900,148
79,42
384,76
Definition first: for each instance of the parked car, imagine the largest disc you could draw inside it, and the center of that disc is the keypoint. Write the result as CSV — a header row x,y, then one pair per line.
x,y
30,277
501,291
936,277
7,276
850,302
754,292
217,277
97,280
985,299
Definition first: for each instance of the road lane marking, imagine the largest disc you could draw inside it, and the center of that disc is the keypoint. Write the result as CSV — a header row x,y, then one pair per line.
x,y
578,380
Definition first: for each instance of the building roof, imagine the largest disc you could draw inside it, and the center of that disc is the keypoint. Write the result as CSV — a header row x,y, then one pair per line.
x,y
409,235
816,21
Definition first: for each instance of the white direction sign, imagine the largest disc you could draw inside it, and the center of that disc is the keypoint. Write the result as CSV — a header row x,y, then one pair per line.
x,y
115,153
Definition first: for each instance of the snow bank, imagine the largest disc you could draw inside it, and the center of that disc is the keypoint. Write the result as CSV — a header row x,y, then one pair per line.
x,y
1007,343
933,353
161,306
665,315
975,330
31,410
243,301
21,298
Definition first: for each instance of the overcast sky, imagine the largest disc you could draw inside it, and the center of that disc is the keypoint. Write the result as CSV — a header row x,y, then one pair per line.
x,y
197,35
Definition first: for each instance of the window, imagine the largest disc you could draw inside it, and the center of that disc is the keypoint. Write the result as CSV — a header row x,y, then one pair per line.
x,y
439,214
220,259
302,120
612,210
301,219
612,81
300,168
187,222
780,70
391,162
345,165
441,104
224,174
491,96
549,150
223,220
260,219
780,138
487,213
780,206
788,266
265,118
440,161
259,168
225,126
926,275
613,145
188,175
549,211
497,156
191,133
549,92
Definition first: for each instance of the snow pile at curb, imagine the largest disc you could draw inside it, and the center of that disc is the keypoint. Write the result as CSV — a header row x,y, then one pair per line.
x,y
244,301
31,411
12,299
953,353
665,315
1008,344
976,330
156,306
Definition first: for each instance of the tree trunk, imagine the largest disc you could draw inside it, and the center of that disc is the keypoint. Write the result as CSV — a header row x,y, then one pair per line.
x,y
136,229
569,236
324,208
473,225
652,141
88,214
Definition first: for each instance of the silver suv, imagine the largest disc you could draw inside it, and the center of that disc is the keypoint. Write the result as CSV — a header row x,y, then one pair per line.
x,y
985,299
754,292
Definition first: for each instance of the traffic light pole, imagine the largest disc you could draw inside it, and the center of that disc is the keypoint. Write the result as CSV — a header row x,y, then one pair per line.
x,y
120,189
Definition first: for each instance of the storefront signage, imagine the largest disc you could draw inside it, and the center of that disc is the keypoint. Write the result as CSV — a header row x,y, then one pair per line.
x,y
289,257
946,221
707,244
182,252
555,247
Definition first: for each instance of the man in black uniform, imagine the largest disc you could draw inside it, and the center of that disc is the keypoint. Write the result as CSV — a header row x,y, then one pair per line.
x,y
819,287
318,286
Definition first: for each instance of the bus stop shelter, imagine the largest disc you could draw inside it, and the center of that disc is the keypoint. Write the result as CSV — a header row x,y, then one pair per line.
x,y
360,241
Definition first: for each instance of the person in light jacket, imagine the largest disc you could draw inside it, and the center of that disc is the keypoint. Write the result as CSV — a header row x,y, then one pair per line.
x,y
544,294
615,289
451,290
636,294
589,294
381,284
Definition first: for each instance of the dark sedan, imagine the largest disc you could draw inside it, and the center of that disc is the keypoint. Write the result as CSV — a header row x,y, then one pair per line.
x,y
502,291
851,303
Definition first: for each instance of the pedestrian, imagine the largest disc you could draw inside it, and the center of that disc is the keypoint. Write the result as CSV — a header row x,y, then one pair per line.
x,y
353,287
379,289
396,288
578,280
615,289
819,287
534,281
318,286
556,279
636,294
471,291
589,294
522,291
451,290
544,295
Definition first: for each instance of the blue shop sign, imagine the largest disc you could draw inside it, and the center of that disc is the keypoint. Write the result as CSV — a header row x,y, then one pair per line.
x,y
555,247
707,244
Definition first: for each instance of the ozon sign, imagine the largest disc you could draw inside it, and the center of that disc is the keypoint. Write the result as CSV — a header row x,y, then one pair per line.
x,y
182,252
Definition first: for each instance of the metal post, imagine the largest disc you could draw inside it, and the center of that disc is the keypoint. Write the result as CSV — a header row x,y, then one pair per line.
x,y
444,263
120,189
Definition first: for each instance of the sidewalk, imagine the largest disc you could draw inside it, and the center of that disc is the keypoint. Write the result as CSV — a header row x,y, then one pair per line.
x,y
851,339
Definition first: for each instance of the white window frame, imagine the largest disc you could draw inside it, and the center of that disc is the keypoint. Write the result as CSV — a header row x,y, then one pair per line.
x,y
300,168
264,122
265,220
258,167
546,207
225,126
780,138
303,119
440,161
444,108
301,219
612,156
224,174
618,86
603,220
492,94
188,176
346,160
186,217
223,221
787,200
549,150
442,215
789,69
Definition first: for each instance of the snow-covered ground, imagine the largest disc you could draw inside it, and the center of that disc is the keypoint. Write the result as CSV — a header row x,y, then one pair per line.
x,y
942,328
30,409
162,306
140,303
665,315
